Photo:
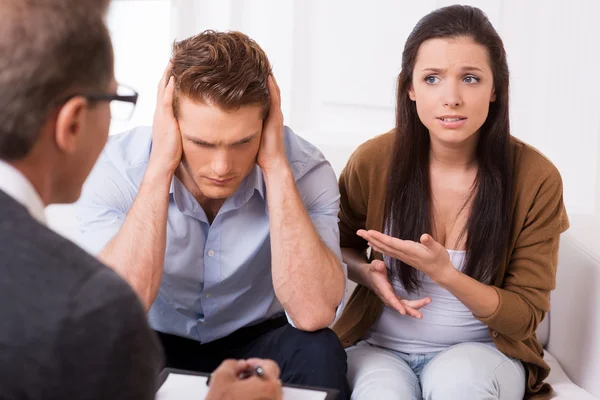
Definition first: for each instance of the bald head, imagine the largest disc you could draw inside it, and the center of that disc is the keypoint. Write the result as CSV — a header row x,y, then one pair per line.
x,y
49,49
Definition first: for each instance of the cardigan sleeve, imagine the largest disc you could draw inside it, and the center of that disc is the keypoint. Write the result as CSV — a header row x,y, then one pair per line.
x,y
531,273
353,203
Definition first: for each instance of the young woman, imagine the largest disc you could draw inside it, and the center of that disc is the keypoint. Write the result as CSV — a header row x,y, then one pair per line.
x,y
463,221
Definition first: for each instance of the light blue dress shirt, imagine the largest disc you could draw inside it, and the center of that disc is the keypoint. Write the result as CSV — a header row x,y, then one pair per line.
x,y
217,277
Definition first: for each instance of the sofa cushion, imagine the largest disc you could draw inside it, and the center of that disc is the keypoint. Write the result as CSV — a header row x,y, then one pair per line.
x,y
543,331
564,388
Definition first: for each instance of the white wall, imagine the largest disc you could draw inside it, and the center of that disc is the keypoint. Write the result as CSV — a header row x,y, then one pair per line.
x,y
337,60
141,33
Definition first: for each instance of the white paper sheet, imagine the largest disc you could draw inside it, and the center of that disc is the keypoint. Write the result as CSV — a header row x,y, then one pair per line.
x,y
193,387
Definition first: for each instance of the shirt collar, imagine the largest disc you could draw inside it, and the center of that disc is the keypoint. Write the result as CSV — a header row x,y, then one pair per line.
x,y
254,181
17,186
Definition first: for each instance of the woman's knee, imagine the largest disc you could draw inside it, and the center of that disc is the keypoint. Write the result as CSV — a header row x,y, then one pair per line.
x,y
474,371
374,373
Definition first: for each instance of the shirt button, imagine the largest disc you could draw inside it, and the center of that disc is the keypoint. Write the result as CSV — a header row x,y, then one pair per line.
x,y
211,253
494,334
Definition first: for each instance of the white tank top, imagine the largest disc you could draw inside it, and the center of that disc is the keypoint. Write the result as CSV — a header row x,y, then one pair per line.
x,y
446,321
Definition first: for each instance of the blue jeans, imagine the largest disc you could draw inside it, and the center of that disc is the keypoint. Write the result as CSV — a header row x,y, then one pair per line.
x,y
473,371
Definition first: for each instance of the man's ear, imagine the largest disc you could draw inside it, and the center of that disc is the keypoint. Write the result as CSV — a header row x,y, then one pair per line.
x,y
70,124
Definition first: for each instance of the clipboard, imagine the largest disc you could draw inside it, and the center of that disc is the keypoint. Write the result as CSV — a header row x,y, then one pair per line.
x,y
171,389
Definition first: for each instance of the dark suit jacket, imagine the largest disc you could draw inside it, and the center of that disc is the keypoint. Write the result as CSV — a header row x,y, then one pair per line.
x,y
70,328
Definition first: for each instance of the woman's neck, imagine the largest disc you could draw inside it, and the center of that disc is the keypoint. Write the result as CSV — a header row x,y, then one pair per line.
x,y
459,156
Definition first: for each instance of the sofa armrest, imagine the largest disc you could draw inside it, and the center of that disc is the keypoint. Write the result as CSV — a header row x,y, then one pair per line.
x,y
575,304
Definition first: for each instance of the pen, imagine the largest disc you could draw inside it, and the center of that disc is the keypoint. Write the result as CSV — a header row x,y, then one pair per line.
x,y
254,371
257,371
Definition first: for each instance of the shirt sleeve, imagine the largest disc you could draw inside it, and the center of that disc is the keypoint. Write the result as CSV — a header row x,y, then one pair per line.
x,y
320,195
531,274
103,206
107,350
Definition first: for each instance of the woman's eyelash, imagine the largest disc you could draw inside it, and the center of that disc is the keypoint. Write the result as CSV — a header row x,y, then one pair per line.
x,y
472,77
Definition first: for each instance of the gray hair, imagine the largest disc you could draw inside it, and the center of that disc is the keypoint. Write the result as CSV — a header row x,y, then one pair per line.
x,y
49,49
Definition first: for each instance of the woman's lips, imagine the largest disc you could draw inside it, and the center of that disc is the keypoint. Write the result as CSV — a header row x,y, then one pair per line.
x,y
452,122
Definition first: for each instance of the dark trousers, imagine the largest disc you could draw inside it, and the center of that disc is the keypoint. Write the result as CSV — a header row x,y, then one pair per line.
x,y
305,358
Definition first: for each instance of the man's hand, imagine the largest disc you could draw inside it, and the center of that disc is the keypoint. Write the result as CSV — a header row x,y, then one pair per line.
x,y
377,280
166,137
225,383
271,154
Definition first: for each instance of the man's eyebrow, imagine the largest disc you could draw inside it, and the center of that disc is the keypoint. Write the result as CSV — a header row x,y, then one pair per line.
x,y
208,144
244,140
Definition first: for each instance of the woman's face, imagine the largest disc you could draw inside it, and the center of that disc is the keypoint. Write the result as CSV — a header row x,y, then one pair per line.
x,y
452,86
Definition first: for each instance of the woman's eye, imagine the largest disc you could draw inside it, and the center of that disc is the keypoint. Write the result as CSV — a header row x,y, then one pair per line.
x,y
471,79
432,79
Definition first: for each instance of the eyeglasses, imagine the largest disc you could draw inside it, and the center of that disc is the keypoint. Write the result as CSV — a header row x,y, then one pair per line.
x,y
122,103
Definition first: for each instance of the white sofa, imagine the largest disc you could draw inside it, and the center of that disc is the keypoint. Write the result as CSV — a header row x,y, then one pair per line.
x,y
571,331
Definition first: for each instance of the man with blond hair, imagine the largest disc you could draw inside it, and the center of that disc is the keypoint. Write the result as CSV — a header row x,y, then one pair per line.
x,y
223,220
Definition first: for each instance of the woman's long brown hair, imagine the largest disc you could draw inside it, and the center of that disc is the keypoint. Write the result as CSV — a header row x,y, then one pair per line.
x,y
408,207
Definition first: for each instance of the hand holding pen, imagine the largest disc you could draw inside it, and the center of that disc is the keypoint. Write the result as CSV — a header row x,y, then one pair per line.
x,y
245,379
